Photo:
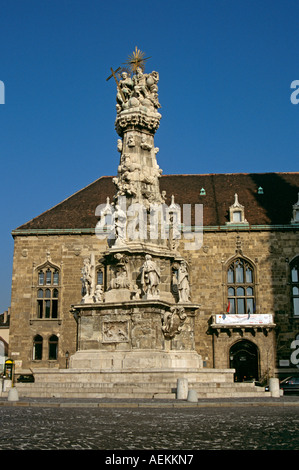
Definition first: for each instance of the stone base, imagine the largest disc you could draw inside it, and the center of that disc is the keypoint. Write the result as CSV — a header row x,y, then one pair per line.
x,y
136,361
117,295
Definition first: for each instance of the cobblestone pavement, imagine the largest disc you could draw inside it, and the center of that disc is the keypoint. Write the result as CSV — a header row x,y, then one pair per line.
x,y
150,426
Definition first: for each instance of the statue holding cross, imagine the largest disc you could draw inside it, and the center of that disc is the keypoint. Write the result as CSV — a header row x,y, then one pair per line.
x,y
140,89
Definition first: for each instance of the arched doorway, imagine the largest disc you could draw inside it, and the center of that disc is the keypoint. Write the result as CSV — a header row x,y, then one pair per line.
x,y
243,357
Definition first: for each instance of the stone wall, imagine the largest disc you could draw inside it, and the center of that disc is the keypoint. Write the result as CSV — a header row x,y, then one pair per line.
x,y
269,252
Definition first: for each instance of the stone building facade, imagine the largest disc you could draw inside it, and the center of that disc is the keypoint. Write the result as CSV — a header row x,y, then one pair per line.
x,y
148,273
243,274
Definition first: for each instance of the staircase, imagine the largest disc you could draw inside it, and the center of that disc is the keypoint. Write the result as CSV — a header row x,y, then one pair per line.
x,y
161,390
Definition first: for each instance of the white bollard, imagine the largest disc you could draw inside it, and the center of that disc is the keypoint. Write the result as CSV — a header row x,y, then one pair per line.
x,y
182,389
192,396
7,384
13,394
274,388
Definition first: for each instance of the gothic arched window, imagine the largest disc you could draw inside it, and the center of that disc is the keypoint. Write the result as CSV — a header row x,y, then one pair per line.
x,y
53,347
37,348
240,287
48,293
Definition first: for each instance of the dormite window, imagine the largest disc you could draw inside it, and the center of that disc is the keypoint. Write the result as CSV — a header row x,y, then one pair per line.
x,y
237,213
240,287
295,218
47,293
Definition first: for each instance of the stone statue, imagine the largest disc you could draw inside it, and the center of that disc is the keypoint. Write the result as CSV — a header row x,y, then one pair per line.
x,y
139,84
88,279
183,283
150,277
135,292
126,86
121,280
120,220
140,90
98,295
119,145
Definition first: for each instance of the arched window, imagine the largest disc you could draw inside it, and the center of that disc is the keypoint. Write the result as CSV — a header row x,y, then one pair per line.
x,y
240,287
295,285
37,348
48,293
53,347
100,277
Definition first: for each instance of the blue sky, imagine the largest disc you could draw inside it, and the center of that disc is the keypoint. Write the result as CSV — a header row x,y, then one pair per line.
x,y
225,69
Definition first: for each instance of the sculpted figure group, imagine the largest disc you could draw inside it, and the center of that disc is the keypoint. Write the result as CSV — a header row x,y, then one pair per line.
x,y
141,89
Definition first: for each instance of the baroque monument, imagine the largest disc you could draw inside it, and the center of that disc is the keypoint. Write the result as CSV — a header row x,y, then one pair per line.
x,y
115,294
143,318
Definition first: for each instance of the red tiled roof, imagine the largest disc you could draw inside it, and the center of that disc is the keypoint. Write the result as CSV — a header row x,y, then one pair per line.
x,y
274,207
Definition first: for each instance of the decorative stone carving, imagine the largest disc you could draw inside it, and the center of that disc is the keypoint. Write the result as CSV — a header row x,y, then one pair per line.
x,y
144,144
115,332
119,145
88,279
98,294
136,293
172,321
183,283
150,278
141,89
125,89
120,222
138,120
121,280
295,218
131,141
174,223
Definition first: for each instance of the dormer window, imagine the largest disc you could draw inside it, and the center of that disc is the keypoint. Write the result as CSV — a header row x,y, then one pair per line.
x,y
237,213
295,219
237,216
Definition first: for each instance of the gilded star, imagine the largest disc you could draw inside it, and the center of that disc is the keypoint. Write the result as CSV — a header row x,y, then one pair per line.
x,y
136,60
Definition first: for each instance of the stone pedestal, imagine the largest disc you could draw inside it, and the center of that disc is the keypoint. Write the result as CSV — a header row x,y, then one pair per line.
x,y
135,335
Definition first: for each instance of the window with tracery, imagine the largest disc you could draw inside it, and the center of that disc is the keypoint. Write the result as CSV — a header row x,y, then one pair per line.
x,y
295,285
48,293
240,287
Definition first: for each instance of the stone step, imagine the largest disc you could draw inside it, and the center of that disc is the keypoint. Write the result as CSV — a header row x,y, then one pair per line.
x,y
142,395
133,390
199,387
